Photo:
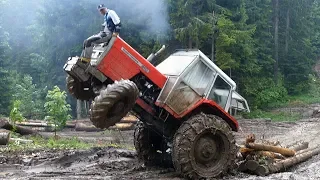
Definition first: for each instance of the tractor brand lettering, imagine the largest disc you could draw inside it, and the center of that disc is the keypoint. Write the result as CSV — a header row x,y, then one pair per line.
x,y
135,59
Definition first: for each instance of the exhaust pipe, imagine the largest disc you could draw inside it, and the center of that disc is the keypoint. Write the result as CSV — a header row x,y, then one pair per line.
x,y
152,55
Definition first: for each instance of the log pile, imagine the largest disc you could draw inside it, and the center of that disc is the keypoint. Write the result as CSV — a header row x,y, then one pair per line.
x,y
127,123
269,157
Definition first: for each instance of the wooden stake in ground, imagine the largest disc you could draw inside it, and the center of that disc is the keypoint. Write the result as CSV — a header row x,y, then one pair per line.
x,y
4,137
263,147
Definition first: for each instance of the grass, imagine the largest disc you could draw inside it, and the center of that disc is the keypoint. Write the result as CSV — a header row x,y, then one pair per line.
x,y
293,101
274,116
59,144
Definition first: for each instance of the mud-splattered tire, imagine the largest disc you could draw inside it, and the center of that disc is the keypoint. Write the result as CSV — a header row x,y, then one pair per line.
x,y
203,147
150,147
77,89
113,103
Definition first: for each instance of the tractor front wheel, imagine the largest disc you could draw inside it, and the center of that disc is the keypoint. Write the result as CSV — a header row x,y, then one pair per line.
x,y
113,103
203,147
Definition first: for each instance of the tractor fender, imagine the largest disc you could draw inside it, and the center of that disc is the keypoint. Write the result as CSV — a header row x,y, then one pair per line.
x,y
210,107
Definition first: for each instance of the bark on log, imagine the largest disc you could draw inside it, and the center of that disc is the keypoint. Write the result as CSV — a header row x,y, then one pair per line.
x,y
128,121
4,137
305,150
252,165
283,164
271,155
86,128
300,146
123,126
263,147
21,130
24,141
242,167
262,170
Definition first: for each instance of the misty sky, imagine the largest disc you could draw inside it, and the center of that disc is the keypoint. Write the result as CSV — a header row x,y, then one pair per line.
x,y
19,15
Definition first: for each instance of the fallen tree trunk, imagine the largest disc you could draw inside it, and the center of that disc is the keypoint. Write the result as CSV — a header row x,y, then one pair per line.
x,y
128,121
276,149
283,164
306,150
86,128
4,137
123,126
33,124
4,124
23,141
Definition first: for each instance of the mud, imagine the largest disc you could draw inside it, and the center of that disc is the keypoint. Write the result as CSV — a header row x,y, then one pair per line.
x,y
112,163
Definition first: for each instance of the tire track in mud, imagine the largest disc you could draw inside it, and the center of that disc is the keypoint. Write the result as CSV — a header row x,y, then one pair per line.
x,y
112,163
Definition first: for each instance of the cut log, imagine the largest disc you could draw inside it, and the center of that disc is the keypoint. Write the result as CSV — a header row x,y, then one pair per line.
x,y
245,151
305,150
252,165
128,121
284,164
262,170
300,146
23,141
21,130
86,128
263,147
242,167
33,124
271,155
4,137
124,126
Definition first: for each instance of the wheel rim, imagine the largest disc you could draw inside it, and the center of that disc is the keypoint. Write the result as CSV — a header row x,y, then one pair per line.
x,y
209,150
119,107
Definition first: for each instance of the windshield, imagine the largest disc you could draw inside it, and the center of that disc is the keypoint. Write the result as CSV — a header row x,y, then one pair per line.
x,y
175,65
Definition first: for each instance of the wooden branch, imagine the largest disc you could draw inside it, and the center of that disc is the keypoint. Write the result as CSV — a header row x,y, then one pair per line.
x,y
263,147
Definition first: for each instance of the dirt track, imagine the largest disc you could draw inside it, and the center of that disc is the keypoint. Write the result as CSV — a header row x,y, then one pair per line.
x,y
111,163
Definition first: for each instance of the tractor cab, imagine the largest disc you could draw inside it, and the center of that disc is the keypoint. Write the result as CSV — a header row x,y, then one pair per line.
x,y
192,77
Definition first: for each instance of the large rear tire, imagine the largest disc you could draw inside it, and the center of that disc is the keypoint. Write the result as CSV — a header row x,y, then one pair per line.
x,y
113,103
79,90
203,147
151,147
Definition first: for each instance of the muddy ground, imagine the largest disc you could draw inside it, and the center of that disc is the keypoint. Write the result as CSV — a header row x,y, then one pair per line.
x,y
113,163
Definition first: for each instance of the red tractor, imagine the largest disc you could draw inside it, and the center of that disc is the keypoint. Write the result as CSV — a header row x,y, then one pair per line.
x,y
182,105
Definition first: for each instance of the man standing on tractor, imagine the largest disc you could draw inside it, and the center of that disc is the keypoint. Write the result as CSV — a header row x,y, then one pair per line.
x,y
111,27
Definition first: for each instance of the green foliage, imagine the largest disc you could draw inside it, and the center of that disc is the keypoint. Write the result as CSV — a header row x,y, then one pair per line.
x,y
39,143
32,56
57,108
274,116
15,114
30,96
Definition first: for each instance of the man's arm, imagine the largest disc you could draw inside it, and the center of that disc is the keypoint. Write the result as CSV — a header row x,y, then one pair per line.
x,y
116,20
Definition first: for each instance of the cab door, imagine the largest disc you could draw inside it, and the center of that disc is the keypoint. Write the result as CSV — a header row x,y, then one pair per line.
x,y
191,87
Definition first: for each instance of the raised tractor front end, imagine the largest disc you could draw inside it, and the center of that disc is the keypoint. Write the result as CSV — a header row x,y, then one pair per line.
x,y
182,104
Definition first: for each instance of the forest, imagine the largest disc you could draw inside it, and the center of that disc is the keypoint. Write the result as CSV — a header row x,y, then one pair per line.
x,y
268,47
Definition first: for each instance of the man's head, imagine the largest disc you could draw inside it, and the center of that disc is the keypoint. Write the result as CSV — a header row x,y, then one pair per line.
x,y
102,9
